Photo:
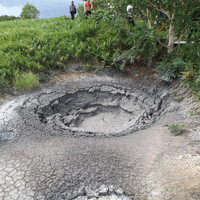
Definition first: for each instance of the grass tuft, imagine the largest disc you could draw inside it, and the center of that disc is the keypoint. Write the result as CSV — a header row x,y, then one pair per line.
x,y
25,81
176,129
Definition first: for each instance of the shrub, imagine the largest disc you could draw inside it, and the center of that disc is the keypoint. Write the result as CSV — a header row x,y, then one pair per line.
x,y
170,68
25,81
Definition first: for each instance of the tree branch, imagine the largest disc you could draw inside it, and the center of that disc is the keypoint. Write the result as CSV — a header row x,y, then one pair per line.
x,y
182,34
163,44
160,9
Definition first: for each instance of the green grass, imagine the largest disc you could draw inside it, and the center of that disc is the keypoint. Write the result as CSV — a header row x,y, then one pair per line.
x,y
39,45
191,113
179,99
25,81
176,129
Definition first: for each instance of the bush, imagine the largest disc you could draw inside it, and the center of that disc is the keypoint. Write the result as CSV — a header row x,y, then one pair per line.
x,y
25,81
170,68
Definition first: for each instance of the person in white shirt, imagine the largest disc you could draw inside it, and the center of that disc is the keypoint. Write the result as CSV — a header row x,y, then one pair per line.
x,y
130,14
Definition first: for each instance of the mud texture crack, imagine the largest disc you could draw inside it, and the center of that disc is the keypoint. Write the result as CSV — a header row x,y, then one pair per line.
x,y
101,111
99,138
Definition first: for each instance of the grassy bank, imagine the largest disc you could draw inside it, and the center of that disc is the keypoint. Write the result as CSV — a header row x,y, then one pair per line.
x,y
43,44
28,47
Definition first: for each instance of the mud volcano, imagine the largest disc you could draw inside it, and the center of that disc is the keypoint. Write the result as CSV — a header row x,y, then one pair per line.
x,y
62,142
102,110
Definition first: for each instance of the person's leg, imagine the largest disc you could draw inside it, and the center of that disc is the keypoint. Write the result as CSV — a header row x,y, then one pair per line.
x,y
86,13
133,22
72,16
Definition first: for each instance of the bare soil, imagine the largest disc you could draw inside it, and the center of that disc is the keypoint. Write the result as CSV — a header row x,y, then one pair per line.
x,y
39,161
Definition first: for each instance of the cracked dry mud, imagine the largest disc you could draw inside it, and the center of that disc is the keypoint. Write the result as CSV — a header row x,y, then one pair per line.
x,y
89,136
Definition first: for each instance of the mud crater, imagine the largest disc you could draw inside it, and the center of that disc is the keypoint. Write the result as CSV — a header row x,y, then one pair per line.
x,y
103,110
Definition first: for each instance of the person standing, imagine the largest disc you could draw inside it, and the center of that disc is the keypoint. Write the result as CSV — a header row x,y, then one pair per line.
x,y
87,8
130,14
72,10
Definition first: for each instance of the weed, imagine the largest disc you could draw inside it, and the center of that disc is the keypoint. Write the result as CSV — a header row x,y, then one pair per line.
x,y
176,129
175,98
170,68
25,81
191,113
179,99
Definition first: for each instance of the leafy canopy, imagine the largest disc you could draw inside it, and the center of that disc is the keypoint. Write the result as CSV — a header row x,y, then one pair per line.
x,y
29,11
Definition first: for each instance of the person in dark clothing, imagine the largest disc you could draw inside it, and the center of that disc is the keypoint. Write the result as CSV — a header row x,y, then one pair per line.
x,y
196,20
72,10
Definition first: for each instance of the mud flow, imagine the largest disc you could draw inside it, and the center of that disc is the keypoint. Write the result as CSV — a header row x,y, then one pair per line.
x,y
102,110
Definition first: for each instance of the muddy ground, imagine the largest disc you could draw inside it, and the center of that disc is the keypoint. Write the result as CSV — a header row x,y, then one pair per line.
x,y
100,136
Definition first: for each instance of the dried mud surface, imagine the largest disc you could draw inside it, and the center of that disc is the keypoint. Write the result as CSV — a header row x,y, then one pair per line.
x,y
65,141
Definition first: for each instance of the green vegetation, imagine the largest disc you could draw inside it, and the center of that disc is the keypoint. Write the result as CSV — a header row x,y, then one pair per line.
x,y
191,113
179,99
29,11
25,81
41,44
176,129
105,39
8,18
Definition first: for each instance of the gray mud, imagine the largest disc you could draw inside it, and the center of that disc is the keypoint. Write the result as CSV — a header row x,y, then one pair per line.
x,y
99,137
99,110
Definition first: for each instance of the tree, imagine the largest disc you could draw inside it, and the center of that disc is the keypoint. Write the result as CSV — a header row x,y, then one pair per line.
x,y
178,15
80,10
29,11
7,18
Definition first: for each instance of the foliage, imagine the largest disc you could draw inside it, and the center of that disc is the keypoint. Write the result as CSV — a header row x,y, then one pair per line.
x,y
25,81
29,11
43,44
191,74
170,68
176,129
178,15
104,39
179,99
191,112
8,18
80,10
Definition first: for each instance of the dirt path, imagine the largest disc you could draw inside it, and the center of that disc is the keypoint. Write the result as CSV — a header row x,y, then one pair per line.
x,y
147,164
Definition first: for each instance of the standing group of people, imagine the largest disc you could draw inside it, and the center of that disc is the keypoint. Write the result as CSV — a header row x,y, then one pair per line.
x,y
88,8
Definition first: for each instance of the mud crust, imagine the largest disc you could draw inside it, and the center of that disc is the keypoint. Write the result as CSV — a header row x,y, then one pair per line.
x,y
43,157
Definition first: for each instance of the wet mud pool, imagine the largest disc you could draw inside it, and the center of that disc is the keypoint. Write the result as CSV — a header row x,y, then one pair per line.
x,y
98,137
